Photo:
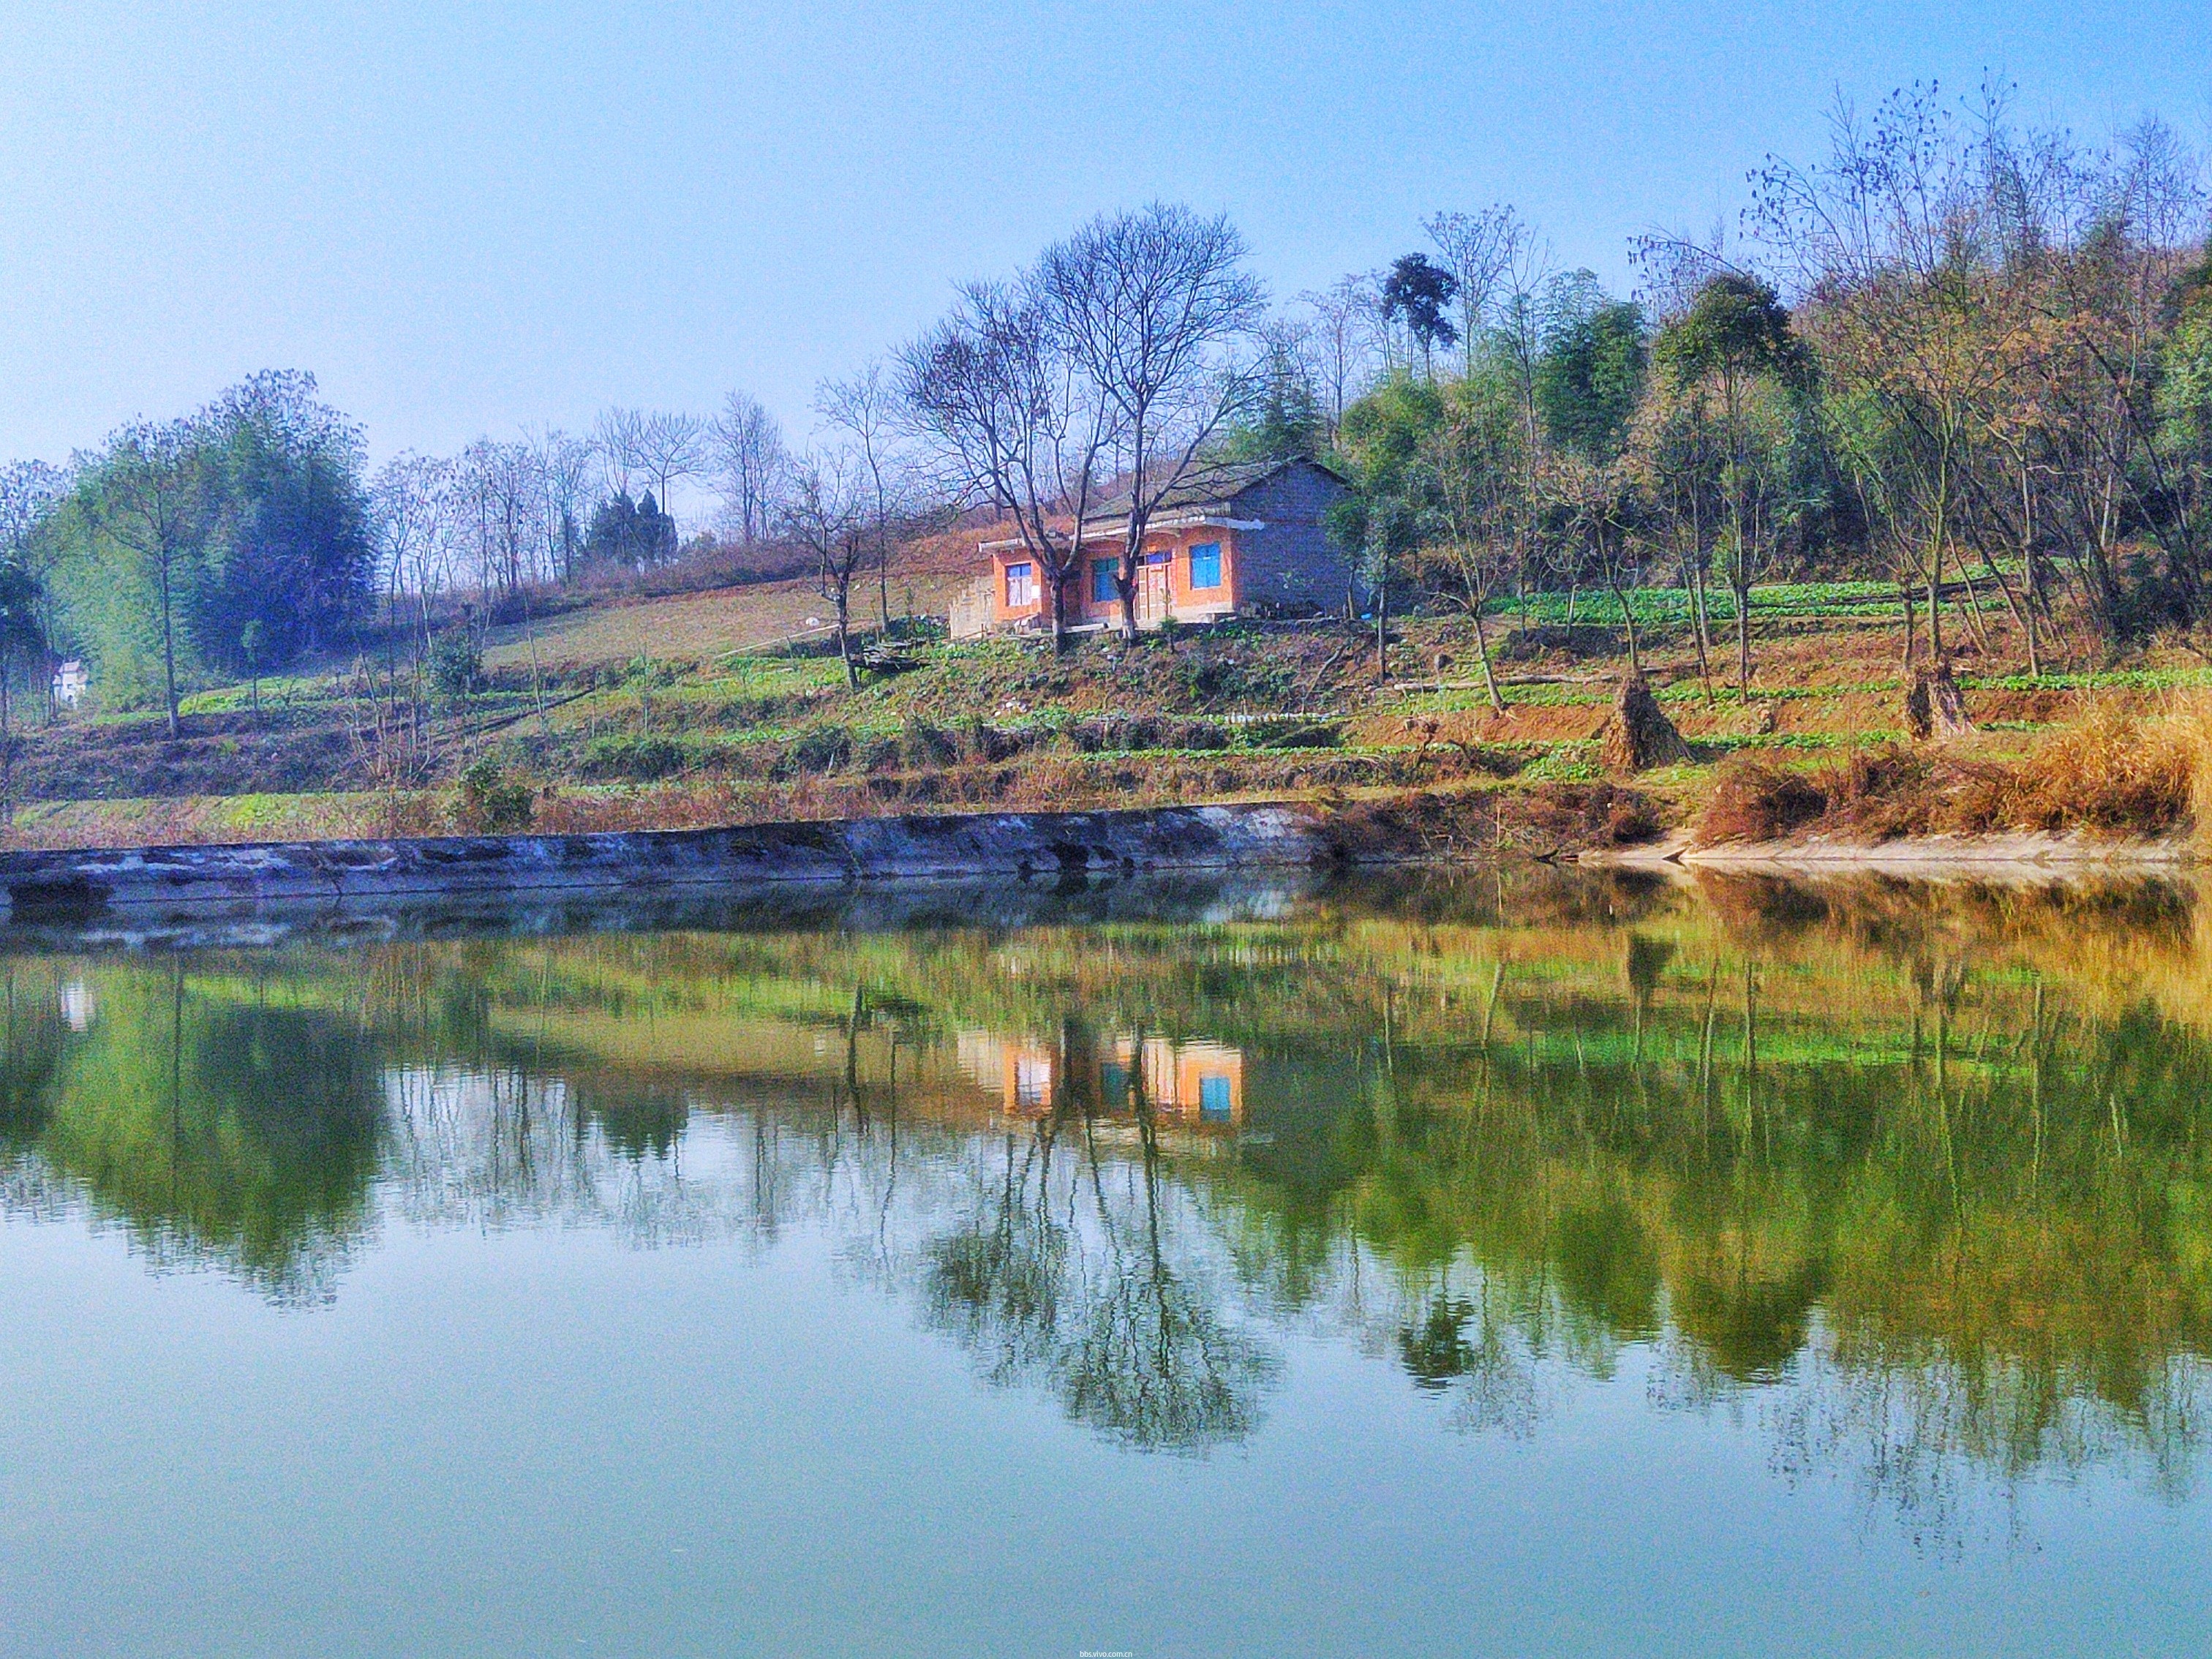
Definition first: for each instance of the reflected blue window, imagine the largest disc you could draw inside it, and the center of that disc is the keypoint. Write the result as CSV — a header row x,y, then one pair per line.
x,y
1205,565
1215,1100
1102,581
1113,1085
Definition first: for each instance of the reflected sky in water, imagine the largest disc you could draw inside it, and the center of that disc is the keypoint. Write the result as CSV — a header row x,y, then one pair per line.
x,y
1529,1261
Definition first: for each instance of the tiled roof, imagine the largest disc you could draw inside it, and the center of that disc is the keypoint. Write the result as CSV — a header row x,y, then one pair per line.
x,y
1208,486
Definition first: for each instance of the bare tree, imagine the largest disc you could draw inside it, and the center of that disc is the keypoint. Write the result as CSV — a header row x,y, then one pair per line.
x,y
1013,423
564,468
502,497
619,439
1151,306
1479,249
865,407
1891,238
1342,341
828,514
409,499
670,447
748,452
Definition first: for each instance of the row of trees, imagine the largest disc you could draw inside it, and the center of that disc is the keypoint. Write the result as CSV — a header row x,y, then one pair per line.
x,y
1969,360
1972,361
248,534
228,539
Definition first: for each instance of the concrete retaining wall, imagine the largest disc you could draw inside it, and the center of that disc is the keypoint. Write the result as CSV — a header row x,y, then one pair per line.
x,y
1017,845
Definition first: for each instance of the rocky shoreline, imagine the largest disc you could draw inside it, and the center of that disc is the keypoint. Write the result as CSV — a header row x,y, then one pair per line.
x,y
1018,846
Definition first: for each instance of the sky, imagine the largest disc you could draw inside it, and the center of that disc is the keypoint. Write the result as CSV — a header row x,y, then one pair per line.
x,y
479,218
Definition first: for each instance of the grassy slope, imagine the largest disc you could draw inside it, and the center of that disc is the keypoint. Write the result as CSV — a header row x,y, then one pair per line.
x,y
685,710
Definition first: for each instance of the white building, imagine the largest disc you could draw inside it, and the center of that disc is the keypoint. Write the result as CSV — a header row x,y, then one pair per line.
x,y
70,683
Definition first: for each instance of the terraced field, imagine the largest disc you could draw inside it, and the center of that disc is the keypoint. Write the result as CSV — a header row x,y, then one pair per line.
x,y
729,706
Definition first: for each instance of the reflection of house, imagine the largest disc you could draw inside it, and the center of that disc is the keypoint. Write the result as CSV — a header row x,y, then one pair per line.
x,y
77,1006
1237,540
1195,1082
70,683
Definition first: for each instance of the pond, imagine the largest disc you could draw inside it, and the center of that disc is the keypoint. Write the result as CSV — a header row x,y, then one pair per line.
x,y
1530,1262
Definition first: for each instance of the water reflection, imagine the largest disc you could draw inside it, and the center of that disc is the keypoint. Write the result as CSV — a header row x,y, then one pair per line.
x,y
1917,1176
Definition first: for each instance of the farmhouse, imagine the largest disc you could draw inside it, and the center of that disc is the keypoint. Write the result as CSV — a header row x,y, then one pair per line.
x,y
1245,540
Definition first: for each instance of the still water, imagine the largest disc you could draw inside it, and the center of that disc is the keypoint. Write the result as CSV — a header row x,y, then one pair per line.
x,y
1527,1263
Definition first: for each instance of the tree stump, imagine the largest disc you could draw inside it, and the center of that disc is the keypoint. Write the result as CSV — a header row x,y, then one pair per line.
x,y
1934,705
1638,734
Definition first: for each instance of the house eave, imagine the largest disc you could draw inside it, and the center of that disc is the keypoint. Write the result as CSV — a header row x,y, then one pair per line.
x,y
1105,532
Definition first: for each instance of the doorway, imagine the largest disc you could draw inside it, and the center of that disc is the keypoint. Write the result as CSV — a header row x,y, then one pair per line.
x,y
1153,598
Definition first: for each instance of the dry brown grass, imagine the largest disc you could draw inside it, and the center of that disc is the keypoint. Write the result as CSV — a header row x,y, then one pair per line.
x,y
2114,773
693,626
1752,800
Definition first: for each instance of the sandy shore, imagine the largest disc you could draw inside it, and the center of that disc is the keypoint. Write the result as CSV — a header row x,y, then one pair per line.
x,y
2020,856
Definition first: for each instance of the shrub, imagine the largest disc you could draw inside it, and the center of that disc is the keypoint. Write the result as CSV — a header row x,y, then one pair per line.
x,y
924,745
822,748
455,663
1754,801
631,758
491,802
2113,774
1289,732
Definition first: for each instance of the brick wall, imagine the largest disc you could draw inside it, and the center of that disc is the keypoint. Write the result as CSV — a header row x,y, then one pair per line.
x,y
1294,563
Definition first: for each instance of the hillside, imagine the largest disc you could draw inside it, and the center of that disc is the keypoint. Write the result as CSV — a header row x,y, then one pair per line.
x,y
729,706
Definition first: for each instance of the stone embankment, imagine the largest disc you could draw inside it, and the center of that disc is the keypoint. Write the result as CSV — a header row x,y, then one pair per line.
x,y
1022,846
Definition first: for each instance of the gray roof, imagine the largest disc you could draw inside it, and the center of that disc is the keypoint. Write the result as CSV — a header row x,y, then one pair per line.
x,y
1213,486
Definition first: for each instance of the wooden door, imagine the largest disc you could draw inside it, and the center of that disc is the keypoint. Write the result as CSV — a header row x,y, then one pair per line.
x,y
1152,587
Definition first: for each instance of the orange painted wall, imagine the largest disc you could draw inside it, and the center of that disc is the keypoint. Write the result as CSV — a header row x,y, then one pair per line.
x,y
1183,600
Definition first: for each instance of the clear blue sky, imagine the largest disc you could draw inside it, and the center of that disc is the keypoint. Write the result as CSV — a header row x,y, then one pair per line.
x,y
472,217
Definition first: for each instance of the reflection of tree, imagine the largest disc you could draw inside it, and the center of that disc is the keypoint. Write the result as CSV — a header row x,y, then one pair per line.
x,y
1901,1170
996,1281
241,1135
1103,1301
1436,1349
1154,1364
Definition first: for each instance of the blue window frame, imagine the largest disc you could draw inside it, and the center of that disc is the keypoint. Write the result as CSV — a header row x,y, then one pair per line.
x,y
1021,585
1205,565
1102,580
1216,1100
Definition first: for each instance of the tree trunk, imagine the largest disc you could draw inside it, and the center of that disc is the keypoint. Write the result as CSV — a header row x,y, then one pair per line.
x,y
1383,625
844,597
2027,569
1628,622
1704,638
1742,627
168,650
1482,652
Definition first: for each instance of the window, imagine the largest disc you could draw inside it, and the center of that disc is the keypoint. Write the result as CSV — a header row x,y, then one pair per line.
x,y
1205,565
1216,1100
1032,1081
1021,585
1102,591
